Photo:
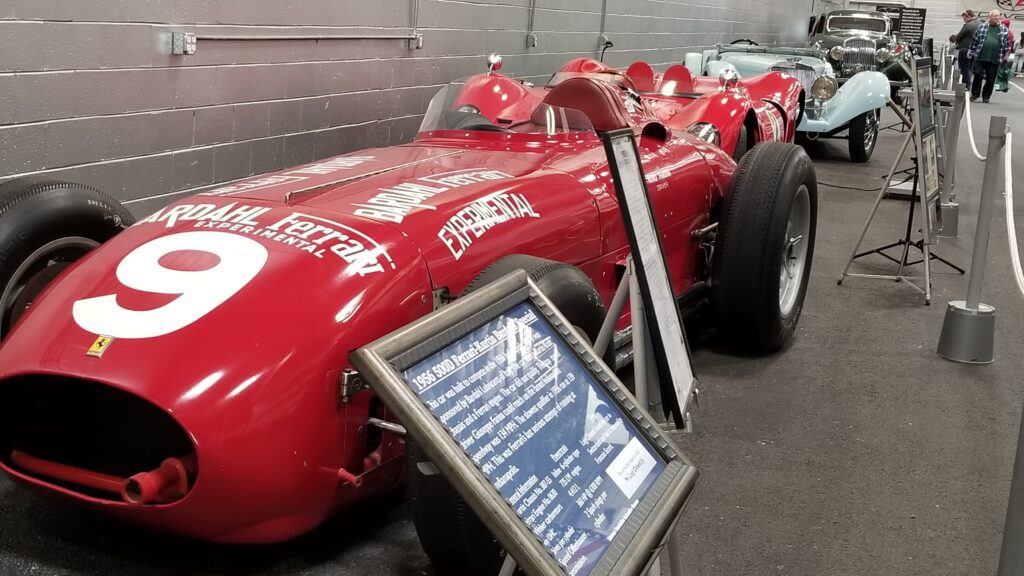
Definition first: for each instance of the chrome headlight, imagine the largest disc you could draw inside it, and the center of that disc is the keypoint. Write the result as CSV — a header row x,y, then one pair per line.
x,y
824,88
706,132
882,55
837,53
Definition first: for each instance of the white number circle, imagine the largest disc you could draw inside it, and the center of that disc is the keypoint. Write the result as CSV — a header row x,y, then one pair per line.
x,y
241,259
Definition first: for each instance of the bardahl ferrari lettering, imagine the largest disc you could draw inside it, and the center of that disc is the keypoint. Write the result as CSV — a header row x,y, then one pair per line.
x,y
395,203
475,220
233,213
308,233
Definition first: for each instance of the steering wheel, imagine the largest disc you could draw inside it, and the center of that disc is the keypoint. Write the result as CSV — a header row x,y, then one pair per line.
x,y
744,41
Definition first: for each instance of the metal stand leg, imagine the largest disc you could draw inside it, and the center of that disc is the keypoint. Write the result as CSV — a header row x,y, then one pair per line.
x,y
878,202
604,337
508,568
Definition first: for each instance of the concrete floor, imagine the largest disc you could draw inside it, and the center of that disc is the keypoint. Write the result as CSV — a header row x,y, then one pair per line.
x,y
858,451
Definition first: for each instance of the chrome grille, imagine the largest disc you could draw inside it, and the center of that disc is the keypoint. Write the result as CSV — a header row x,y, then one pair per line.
x,y
802,72
860,55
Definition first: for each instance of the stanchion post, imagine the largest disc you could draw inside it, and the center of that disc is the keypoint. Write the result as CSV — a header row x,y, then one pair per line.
x,y
949,208
1011,559
996,139
968,330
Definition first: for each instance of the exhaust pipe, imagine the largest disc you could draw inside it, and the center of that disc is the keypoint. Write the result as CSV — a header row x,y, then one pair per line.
x,y
166,484
72,474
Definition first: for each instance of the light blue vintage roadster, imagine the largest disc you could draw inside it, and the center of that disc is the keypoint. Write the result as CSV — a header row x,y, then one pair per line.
x,y
830,108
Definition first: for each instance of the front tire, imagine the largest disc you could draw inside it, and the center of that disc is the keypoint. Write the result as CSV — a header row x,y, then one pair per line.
x,y
764,247
863,136
455,540
45,226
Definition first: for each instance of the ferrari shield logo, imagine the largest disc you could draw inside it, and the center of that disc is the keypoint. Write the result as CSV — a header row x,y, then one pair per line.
x,y
99,346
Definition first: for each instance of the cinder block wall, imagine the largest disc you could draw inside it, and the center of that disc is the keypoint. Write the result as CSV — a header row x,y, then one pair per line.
x,y
90,91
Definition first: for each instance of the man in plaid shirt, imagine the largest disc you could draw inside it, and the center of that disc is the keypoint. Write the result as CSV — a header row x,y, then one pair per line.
x,y
989,49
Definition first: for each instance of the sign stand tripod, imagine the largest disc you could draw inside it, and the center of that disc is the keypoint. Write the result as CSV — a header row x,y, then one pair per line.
x,y
923,134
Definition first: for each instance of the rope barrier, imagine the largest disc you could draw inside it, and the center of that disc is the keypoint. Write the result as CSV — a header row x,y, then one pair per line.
x,y
1011,228
970,130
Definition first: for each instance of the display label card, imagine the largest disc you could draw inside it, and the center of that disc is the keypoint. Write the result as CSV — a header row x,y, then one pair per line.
x,y
664,324
534,431
543,431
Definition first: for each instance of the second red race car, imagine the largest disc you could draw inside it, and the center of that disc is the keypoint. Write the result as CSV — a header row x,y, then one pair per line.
x,y
190,372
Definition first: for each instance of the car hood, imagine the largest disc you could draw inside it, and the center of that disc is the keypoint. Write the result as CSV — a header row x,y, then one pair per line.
x,y
210,300
837,38
749,64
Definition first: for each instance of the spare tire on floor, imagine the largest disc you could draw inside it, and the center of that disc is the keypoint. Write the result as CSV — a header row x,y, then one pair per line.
x,y
45,226
764,247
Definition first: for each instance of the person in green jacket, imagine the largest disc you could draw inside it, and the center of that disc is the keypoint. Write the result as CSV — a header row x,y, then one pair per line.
x,y
990,48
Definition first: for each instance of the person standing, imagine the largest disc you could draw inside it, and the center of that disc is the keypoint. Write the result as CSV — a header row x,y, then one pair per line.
x,y
1020,55
963,44
989,49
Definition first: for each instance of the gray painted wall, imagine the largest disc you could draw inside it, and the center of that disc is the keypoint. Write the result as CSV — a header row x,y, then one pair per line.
x,y
89,90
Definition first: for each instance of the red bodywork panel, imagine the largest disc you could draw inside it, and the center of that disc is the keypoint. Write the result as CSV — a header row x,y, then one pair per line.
x,y
234,312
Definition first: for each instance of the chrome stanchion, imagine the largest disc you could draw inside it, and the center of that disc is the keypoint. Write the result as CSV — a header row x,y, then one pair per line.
x,y
948,206
968,330
1011,559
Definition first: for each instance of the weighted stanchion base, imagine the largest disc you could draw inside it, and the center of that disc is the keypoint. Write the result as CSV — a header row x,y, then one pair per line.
x,y
950,213
968,335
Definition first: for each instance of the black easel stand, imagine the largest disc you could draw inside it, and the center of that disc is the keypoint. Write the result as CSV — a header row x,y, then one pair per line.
x,y
906,241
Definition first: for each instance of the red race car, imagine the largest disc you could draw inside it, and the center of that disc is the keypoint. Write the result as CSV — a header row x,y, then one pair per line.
x,y
190,372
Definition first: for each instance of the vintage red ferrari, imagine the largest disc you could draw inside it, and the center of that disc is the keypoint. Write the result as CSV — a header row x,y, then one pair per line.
x,y
189,372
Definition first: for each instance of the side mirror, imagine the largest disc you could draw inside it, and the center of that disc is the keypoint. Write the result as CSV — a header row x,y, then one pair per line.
x,y
493,63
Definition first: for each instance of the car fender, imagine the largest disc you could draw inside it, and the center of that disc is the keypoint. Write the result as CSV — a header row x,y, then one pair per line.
x,y
863,92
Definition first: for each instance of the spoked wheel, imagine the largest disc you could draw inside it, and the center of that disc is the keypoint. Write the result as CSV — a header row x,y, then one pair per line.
x,y
46,226
863,136
764,248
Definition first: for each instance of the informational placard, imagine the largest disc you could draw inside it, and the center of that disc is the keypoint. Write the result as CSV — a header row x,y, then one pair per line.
x,y
907,23
533,431
925,142
911,29
668,340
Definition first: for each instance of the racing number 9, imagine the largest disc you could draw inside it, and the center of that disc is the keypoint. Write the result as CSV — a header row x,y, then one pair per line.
x,y
241,259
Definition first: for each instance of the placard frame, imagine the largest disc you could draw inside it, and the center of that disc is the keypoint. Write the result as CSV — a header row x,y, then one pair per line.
x,y
665,329
636,544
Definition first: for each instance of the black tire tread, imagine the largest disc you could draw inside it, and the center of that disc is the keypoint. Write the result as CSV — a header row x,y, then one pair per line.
x,y
14,192
745,253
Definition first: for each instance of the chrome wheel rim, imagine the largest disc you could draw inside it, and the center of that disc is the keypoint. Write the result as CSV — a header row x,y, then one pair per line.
x,y
61,252
870,130
794,251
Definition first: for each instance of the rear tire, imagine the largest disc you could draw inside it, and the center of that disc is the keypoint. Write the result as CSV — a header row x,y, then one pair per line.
x,y
45,226
455,540
742,144
764,248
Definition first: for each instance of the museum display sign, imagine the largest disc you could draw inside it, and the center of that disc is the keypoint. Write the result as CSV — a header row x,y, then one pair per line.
x,y
536,433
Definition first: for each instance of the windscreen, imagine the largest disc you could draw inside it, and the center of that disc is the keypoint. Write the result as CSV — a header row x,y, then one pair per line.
x,y
865,23
459,106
